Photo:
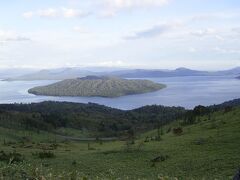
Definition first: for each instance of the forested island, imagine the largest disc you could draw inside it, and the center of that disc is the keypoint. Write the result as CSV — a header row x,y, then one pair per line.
x,y
103,86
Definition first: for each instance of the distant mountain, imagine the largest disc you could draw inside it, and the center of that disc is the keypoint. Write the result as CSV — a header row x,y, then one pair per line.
x,y
234,71
142,73
97,86
53,74
7,73
63,73
71,73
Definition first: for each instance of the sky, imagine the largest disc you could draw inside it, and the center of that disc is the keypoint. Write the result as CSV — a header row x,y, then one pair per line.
x,y
163,34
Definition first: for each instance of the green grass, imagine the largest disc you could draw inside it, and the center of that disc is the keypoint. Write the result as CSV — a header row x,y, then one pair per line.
x,y
74,132
206,150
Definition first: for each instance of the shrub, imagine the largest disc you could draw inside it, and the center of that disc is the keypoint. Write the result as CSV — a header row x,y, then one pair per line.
x,y
228,109
212,125
169,130
157,159
44,154
74,163
146,139
11,158
8,143
177,131
200,141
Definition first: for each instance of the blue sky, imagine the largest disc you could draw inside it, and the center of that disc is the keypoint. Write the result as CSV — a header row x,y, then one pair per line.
x,y
199,34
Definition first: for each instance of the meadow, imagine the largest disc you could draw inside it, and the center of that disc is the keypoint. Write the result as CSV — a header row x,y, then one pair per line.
x,y
208,148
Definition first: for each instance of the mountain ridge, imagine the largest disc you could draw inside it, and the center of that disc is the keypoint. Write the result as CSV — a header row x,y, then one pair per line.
x,y
70,73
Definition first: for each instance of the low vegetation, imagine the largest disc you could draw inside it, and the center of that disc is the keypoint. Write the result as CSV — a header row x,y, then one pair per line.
x,y
199,144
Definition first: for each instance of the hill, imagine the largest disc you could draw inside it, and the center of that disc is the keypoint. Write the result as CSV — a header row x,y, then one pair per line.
x,y
142,73
15,72
53,74
207,147
97,86
63,73
71,73
233,71
92,118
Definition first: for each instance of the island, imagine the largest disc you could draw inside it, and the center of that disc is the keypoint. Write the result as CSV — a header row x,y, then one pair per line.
x,y
99,86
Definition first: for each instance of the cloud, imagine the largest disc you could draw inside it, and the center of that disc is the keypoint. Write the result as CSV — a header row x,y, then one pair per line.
x,y
50,12
120,4
56,12
226,51
18,38
7,36
204,32
28,14
106,8
214,16
192,50
70,13
153,31
236,30
111,7
209,32
111,63
80,29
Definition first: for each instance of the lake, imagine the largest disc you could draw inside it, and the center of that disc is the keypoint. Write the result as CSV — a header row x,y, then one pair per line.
x,y
181,91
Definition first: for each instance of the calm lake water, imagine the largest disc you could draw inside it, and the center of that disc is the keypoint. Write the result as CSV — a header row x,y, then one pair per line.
x,y
181,91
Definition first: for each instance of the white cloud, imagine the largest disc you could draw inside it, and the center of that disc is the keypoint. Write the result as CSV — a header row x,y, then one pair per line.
x,y
236,30
108,13
111,63
153,31
18,38
70,13
50,12
192,50
214,16
226,51
6,36
56,12
113,6
120,4
28,14
219,37
80,29
204,32
209,32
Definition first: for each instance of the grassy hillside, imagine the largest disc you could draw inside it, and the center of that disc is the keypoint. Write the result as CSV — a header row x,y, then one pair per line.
x,y
207,148
97,86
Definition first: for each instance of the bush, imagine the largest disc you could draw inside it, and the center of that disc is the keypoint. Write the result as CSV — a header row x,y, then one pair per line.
x,y
200,141
212,125
157,159
44,154
177,131
11,158
169,130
